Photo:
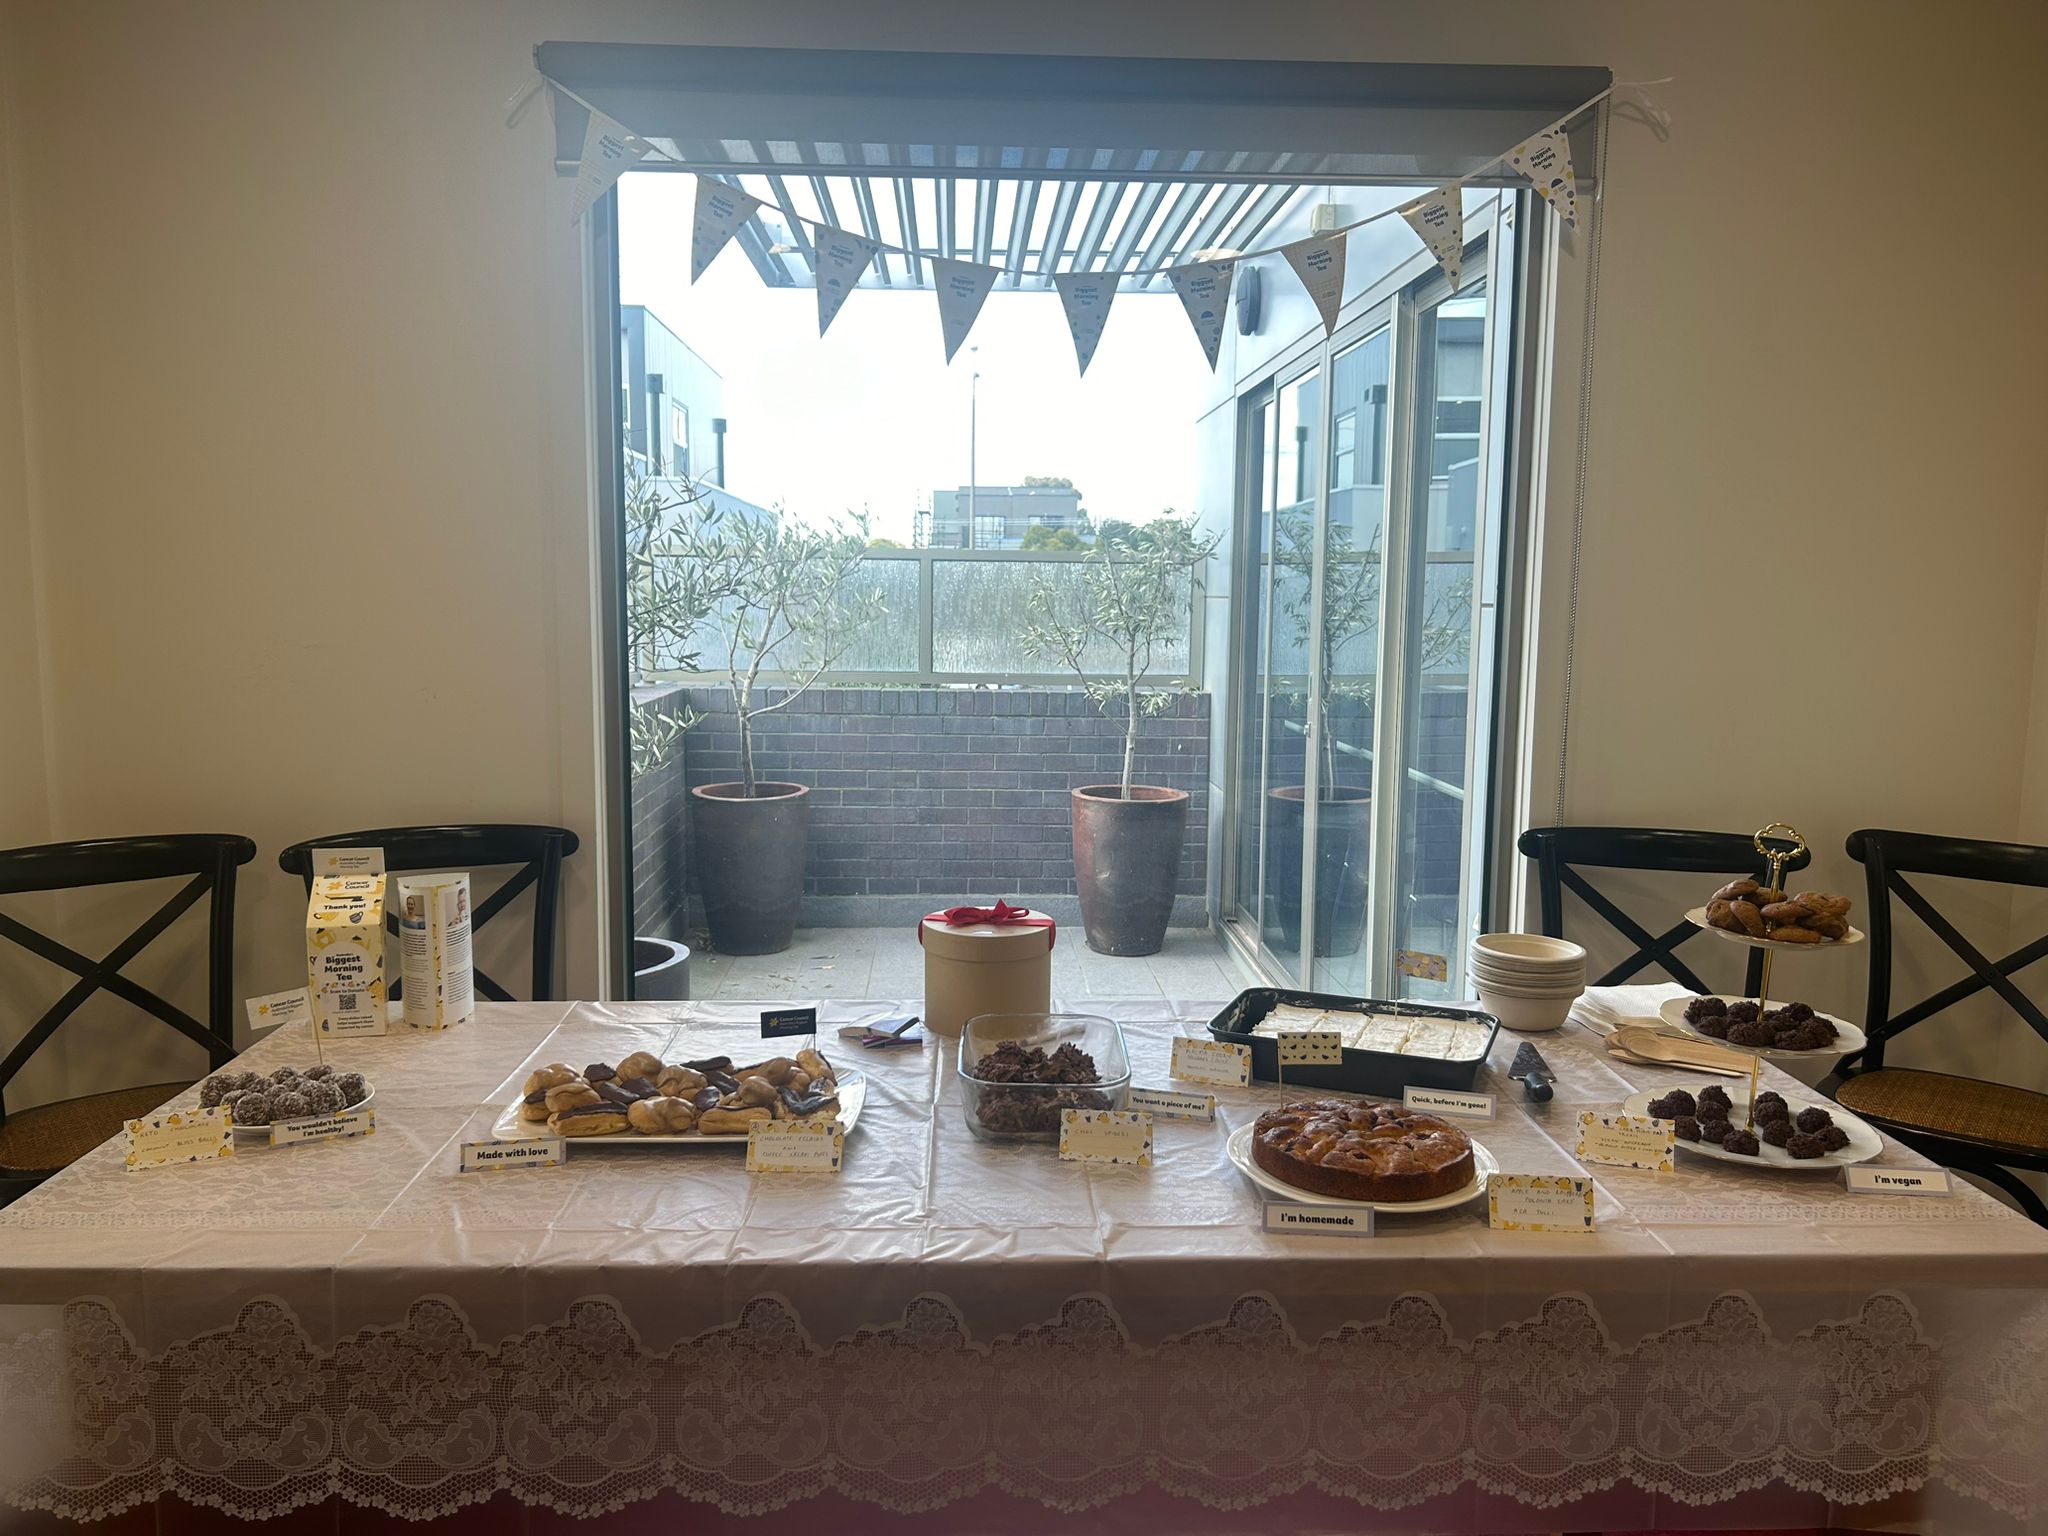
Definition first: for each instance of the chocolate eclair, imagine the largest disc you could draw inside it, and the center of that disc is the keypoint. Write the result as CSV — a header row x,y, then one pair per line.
x,y
588,1120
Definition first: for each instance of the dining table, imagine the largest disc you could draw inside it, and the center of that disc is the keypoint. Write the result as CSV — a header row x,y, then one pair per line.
x,y
954,1334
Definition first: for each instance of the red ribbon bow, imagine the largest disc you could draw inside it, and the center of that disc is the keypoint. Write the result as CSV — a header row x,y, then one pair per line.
x,y
1002,915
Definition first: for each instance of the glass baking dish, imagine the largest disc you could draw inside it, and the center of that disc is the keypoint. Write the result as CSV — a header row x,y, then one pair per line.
x,y
1000,1111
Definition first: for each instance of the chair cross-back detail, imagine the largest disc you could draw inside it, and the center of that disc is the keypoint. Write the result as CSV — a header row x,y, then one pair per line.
x,y
1982,1127
1559,852
538,851
209,861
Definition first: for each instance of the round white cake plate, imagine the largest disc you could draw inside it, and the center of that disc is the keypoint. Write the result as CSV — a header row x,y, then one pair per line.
x,y
1847,1036
1698,918
1483,1163
1864,1142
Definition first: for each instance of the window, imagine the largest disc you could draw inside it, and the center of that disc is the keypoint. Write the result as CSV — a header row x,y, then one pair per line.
x,y
679,438
988,530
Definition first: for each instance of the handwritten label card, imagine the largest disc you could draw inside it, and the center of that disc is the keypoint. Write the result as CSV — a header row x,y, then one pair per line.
x,y
1117,1136
1311,1048
1538,1202
1178,1106
1446,1101
349,1123
183,1136
489,1156
789,1021
795,1146
1898,1181
1627,1141
278,1008
1300,1219
1222,1062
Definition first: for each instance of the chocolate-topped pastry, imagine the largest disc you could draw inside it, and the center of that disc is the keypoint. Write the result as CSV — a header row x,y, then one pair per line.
x,y
1739,1141
1686,1127
1813,1120
599,1072
599,1119
711,1064
1775,1133
639,1064
639,1087
704,1098
571,1096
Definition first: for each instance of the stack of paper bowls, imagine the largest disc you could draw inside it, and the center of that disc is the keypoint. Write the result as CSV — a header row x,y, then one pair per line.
x,y
1526,981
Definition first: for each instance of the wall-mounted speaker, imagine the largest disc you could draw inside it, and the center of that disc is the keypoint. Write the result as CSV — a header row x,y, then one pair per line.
x,y
1250,297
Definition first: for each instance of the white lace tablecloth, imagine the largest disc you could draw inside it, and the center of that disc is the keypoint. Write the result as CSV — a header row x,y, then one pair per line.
x,y
359,1321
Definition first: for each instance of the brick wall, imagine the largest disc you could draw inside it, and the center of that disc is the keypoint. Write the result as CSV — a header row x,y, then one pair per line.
x,y
940,792
660,809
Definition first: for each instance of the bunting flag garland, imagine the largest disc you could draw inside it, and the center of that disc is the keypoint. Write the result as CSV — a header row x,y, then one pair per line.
x,y
1546,160
1440,220
1319,262
842,258
721,210
609,151
961,286
1204,290
1086,297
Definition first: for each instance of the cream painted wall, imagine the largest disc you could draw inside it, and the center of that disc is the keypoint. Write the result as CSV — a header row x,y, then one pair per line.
x,y
301,327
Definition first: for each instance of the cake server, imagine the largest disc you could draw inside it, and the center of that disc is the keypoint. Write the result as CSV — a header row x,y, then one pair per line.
x,y
1533,1072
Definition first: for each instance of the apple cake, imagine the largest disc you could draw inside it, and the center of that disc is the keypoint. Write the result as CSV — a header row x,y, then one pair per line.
x,y
1358,1150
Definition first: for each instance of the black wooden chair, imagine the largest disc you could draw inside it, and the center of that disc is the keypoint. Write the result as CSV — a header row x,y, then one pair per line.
x,y
40,1141
538,851
1716,857
1988,1129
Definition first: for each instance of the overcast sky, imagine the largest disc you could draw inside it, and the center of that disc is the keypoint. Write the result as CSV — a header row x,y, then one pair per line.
x,y
872,415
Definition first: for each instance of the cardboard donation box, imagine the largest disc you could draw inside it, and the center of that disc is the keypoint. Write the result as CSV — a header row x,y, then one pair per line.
x,y
345,945
985,960
434,952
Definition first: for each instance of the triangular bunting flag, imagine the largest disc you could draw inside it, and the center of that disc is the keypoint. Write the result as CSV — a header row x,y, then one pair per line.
x,y
1440,220
721,210
1547,161
1204,290
1319,262
609,151
1086,297
841,260
961,286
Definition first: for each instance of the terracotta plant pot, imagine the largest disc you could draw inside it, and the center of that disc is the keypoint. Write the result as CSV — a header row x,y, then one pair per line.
x,y
1343,863
1126,864
750,863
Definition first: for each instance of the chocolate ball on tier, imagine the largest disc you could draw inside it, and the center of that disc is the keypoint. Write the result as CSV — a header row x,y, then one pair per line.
x,y
1686,1127
1751,1033
324,1069
1775,1133
1714,1130
1739,1141
1813,1120
1673,1104
253,1108
1804,1146
1800,1012
1714,1100
284,1075
322,1094
290,1104
211,1090
1744,1012
1701,1009
1714,1026
1834,1138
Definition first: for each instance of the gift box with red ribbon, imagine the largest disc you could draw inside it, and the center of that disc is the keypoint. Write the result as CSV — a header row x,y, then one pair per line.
x,y
980,960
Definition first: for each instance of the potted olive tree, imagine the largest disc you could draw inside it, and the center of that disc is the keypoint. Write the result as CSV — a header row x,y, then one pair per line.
x,y
786,602
1105,622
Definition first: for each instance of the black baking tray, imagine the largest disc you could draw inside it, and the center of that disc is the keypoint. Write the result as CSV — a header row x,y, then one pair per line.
x,y
1378,1073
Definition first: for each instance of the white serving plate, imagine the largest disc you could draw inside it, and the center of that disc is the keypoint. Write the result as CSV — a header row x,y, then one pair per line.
x,y
1240,1149
1847,1036
1698,918
1864,1142
260,1134
853,1093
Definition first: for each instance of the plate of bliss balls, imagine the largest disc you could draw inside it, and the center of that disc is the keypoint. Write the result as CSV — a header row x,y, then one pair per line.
x,y
260,1100
1782,1029
1789,1132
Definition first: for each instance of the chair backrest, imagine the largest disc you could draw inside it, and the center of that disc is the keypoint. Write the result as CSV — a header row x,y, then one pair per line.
x,y
538,851
1560,852
1887,858
208,859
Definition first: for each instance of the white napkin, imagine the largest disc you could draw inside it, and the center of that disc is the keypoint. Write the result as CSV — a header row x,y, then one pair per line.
x,y
1605,1009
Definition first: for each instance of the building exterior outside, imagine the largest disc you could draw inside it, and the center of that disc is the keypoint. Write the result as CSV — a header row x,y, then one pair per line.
x,y
673,402
996,516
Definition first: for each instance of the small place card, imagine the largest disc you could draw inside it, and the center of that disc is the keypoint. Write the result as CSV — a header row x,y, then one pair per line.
x,y
349,1123
489,1156
1627,1141
278,1008
789,1021
795,1146
1178,1106
1866,1180
1225,1063
1299,1219
1311,1048
183,1136
328,862
1118,1136
1446,1101
1538,1202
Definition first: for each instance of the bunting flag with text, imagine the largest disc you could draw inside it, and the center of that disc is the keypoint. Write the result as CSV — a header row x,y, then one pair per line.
x,y
1319,262
721,210
609,151
961,286
1440,220
1204,290
1086,296
1547,161
842,258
